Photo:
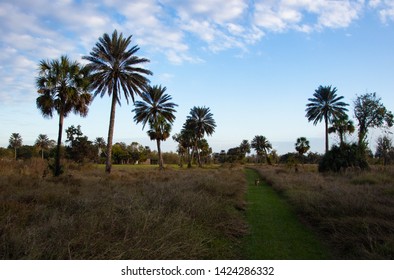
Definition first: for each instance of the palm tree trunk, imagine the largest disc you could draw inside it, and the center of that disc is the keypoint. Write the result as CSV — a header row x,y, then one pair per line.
x,y
59,143
198,155
326,124
108,164
42,153
159,153
15,152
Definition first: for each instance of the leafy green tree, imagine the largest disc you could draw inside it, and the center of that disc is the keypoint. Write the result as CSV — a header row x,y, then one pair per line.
x,y
116,69
15,142
44,143
325,105
63,87
120,153
80,149
384,149
341,158
342,126
157,110
261,145
370,113
200,122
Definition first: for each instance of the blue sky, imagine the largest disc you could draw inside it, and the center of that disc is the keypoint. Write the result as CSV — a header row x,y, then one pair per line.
x,y
254,63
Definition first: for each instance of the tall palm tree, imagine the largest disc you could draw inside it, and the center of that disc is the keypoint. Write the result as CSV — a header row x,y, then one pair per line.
x,y
159,131
201,122
342,125
261,145
43,143
63,86
326,105
115,69
15,142
157,110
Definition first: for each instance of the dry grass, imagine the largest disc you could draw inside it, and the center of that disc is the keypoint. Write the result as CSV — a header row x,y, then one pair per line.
x,y
130,214
353,211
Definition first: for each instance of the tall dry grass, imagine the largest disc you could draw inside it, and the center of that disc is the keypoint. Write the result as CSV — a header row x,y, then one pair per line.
x,y
130,214
353,211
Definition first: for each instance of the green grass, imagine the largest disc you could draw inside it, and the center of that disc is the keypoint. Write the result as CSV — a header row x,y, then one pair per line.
x,y
275,231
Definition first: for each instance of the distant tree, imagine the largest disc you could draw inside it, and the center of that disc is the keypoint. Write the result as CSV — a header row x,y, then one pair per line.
x,y
244,147
63,86
325,105
370,113
186,142
100,144
159,130
15,142
302,146
235,154
44,143
205,150
200,122
80,149
384,149
341,158
120,153
182,148
342,126
261,145
115,68
157,110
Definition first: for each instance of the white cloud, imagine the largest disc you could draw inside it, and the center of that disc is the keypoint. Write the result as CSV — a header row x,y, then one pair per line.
x,y
385,8
282,15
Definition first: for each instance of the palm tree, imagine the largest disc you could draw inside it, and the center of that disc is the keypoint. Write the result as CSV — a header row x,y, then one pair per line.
x,y
15,142
342,125
100,144
201,122
302,146
261,145
63,86
325,105
157,110
159,131
115,68
43,143
244,148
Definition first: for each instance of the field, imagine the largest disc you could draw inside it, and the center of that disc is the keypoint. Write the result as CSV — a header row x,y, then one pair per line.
x,y
142,213
353,211
134,213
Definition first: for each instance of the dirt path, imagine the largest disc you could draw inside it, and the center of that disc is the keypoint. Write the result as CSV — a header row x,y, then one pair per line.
x,y
275,232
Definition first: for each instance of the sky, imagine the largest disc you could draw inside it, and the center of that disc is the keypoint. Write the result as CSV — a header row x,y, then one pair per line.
x,y
254,63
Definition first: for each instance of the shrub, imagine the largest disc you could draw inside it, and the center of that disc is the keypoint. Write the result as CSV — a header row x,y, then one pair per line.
x,y
343,157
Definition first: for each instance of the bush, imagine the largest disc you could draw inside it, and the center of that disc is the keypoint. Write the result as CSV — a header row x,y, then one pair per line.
x,y
343,157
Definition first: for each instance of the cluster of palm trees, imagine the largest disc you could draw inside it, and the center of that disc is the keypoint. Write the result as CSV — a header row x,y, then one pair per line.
x,y
42,143
113,68
191,140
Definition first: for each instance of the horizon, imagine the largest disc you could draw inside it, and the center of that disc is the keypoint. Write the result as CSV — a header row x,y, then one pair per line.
x,y
254,64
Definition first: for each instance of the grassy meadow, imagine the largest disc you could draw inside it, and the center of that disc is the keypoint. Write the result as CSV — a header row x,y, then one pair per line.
x,y
140,212
134,213
353,211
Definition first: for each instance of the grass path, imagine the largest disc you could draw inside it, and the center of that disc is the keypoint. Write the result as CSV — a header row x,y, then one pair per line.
x,y
275,232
